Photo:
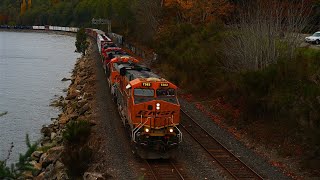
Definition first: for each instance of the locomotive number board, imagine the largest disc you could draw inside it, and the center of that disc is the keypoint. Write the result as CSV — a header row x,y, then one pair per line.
x,y
146,84
164,85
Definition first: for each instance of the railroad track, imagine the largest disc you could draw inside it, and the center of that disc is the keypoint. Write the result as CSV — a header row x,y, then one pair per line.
x,y
164,169
227,160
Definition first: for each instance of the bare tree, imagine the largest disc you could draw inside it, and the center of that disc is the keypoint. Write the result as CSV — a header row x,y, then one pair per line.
x,y
263,32
148,14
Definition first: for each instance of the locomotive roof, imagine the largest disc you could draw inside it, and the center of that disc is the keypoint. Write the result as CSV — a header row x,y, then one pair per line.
x,y
134,71
141,74
138,74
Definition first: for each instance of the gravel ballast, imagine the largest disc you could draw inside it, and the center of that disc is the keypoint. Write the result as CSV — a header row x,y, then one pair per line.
x,y
256,162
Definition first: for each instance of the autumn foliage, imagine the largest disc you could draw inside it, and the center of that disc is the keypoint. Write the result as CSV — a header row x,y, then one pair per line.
x,y
199,11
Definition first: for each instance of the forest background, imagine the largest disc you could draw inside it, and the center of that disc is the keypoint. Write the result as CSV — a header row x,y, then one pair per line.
x,y
244,59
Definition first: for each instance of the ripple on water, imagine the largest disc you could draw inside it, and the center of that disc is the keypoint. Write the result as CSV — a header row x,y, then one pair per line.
x,y
31,68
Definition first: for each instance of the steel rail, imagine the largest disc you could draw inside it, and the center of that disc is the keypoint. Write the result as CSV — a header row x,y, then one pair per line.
x,y
243,166
169,166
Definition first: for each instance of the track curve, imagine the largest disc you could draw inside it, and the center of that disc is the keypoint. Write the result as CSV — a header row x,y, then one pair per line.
x,y
227,160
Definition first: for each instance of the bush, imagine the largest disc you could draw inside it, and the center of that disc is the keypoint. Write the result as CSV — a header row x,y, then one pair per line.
x,y
191,54
5,172
81,41
77,132
76,159
284,91
23,165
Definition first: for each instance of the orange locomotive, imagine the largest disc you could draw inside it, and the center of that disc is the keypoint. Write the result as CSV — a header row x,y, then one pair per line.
x,y
112,74
149,108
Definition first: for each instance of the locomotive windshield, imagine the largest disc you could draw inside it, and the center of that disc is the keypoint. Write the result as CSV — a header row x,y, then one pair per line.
x,y
167,95
165,92
143,95
144,92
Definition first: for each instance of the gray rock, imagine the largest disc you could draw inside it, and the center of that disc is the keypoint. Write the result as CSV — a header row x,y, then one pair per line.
x,y
71,96
82,102
43,156
45,141
53,155
49,172
87,95
3,113
36,155
79,87
93,176
84,109
53,135
65,79
46,131
62,175
40,176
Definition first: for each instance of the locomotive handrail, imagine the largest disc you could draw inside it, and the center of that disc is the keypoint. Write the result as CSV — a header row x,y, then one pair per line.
x,y
136,129
180,133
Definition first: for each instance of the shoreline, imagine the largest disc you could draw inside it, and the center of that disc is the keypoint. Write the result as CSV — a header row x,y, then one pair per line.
x,y
40,31
41,85
47,160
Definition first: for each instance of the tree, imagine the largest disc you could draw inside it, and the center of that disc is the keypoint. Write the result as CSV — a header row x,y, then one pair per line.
x,y
264,32
199,11
81,42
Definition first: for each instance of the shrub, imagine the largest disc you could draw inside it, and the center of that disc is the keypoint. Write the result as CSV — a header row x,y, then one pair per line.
x,y
81,41
6,172
16,170
77,132
24,164
76,159
193,55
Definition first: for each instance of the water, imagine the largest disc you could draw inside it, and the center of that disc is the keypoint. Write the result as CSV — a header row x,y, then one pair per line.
x,y
31,68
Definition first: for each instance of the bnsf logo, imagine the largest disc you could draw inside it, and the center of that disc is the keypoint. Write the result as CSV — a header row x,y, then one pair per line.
x,y
159,113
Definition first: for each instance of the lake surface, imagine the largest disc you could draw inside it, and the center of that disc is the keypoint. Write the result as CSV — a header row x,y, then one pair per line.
x,y
31,68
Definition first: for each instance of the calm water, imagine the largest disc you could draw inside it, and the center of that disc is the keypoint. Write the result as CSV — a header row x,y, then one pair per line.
x,y
31,68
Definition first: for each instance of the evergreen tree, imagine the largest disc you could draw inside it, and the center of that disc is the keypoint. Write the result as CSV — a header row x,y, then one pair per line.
x,y
81,43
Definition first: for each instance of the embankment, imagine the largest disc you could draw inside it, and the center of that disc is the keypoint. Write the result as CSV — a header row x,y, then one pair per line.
x,y
51,158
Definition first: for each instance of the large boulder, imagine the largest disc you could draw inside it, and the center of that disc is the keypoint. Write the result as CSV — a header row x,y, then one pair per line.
x,y
65,79
36,155
93,176
46,131
53,135
40,176
52,156
84,109
63,119
71,96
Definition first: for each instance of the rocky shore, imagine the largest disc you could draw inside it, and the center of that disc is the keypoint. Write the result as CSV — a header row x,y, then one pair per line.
x,y
76,106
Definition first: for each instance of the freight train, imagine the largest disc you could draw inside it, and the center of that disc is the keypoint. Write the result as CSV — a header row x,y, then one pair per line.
x,y
147,103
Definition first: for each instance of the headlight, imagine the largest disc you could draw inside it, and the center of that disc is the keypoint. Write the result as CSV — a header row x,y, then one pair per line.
x,y
171,130
146,129
158,106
